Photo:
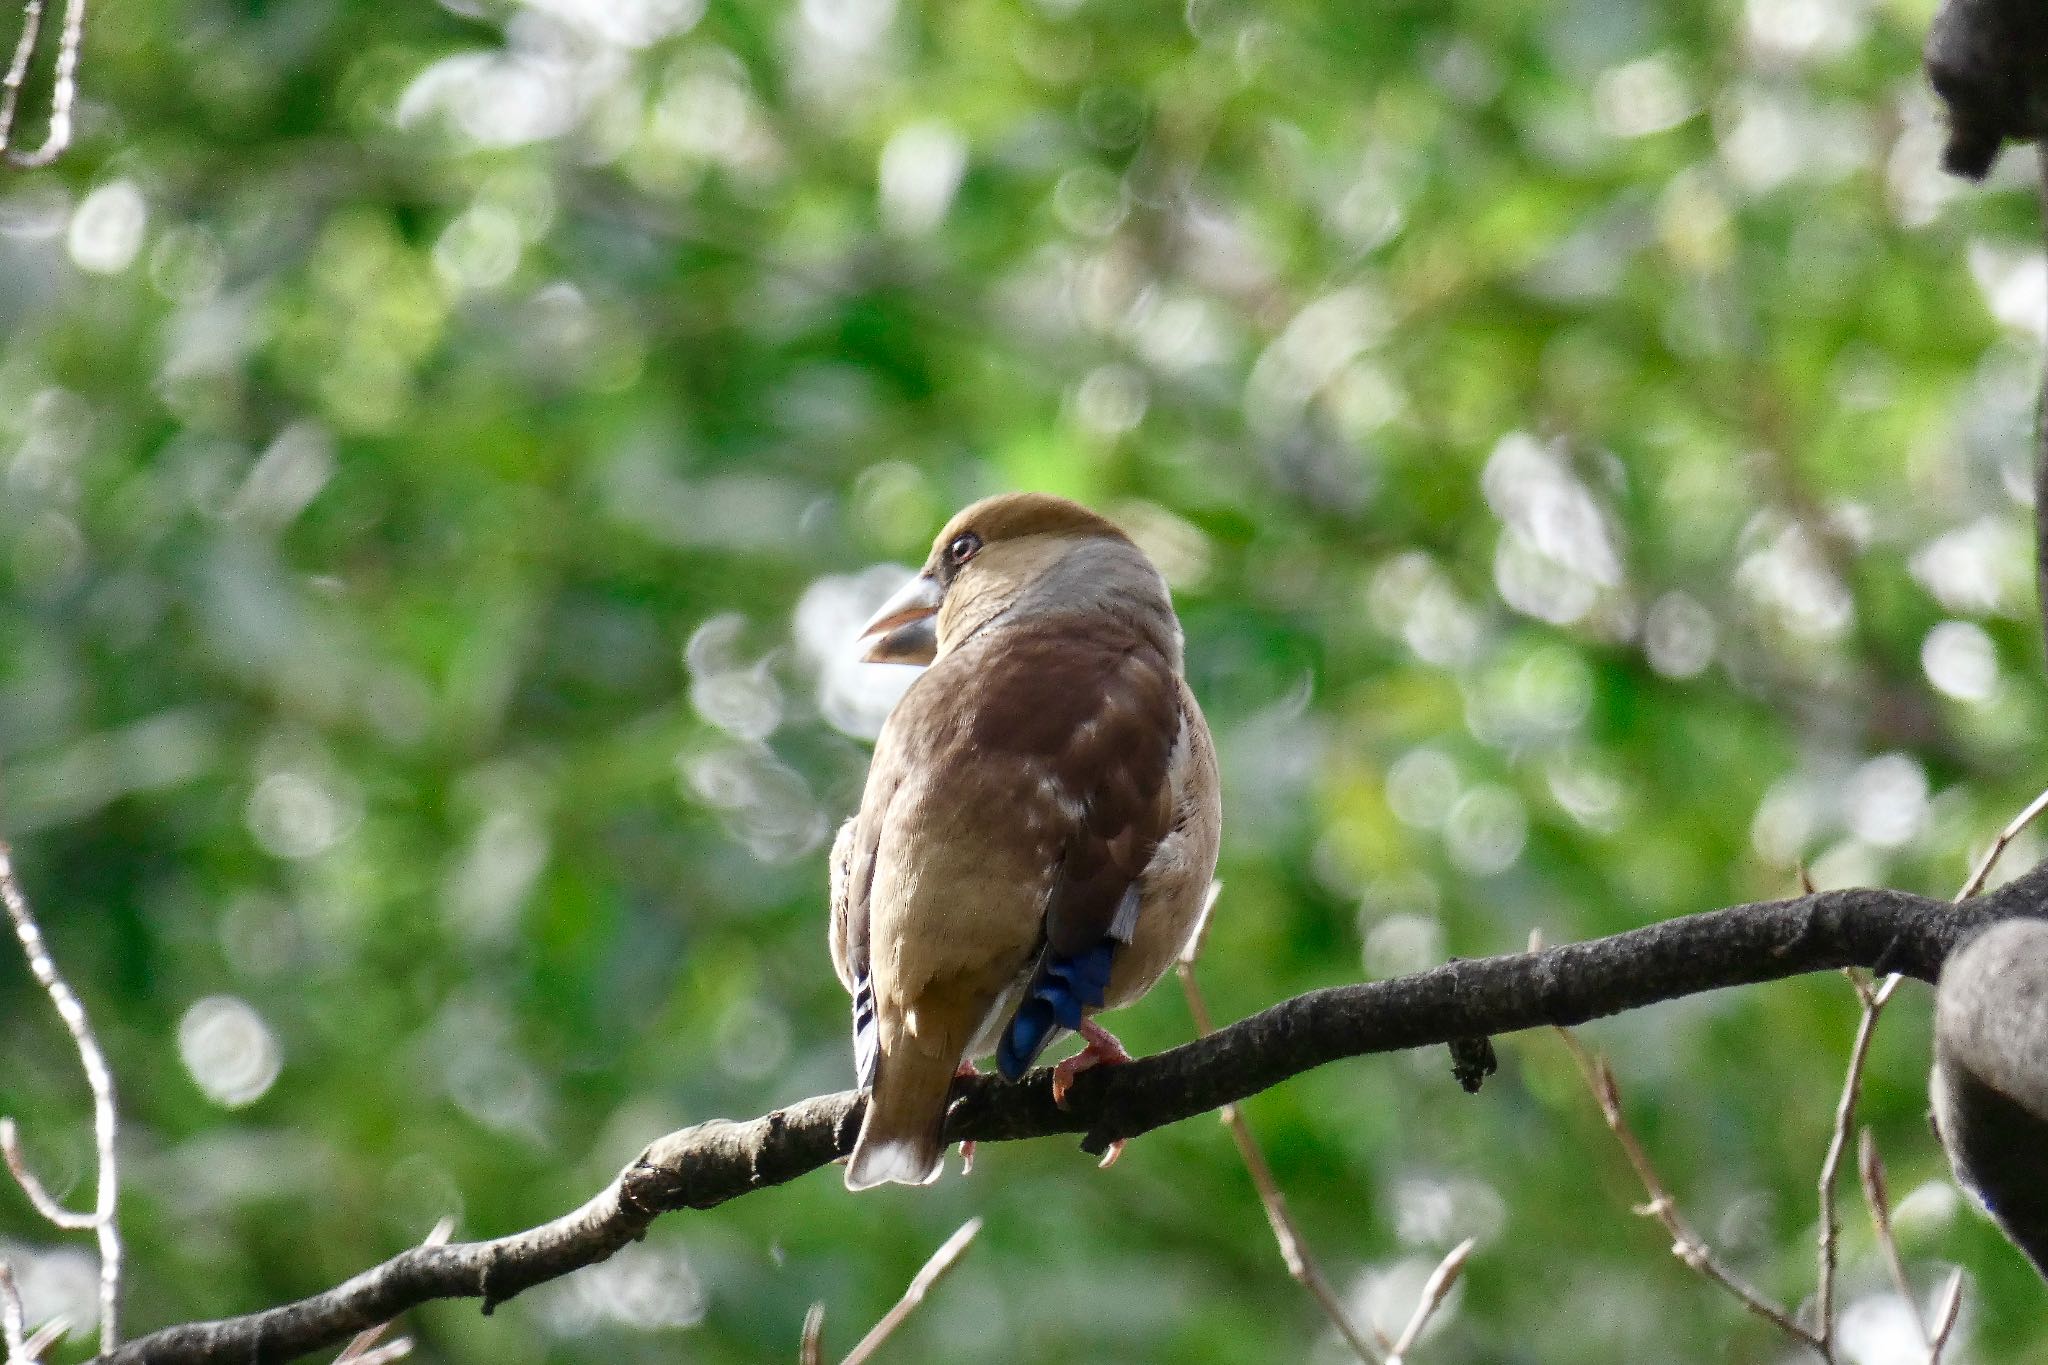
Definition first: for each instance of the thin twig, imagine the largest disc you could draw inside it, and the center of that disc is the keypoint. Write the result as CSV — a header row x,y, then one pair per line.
x,y
1686,1244
105,1124
811,1350
17,70
1294,1252
64,88
2011,832
39,1198
1434,1292
1874,1002
363,1350
12,1327
1870,1166
1948,1309
385,1354
1838,1143
13,1348
942,1261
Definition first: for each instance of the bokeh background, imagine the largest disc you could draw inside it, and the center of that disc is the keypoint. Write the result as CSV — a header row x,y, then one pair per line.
x,y
444,450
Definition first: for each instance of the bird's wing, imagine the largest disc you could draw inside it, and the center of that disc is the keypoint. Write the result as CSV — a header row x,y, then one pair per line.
x,y
1016,796
854,853
841,873
1086,718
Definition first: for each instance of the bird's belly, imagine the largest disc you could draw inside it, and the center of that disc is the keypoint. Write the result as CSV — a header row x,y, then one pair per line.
x,y
1173,896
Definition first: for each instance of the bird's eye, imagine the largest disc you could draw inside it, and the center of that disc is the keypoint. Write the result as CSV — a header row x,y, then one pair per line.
x,y
962,548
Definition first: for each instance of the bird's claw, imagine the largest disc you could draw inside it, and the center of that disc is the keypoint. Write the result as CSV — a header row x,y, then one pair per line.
x,y
1103,1050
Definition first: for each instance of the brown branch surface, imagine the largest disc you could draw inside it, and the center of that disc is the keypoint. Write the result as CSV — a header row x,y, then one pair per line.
x,y
701,1167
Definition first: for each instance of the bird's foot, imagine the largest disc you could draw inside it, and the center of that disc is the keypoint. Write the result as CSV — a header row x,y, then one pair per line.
x,y
967,1068
1103,1050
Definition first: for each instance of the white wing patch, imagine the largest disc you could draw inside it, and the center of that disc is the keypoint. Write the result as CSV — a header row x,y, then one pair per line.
x,y
1125,923
867,1035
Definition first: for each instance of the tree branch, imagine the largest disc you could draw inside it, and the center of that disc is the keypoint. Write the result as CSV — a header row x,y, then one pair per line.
x,y
17,70
1435,1290
943,1260
704,1166
11,1325
1874,1000
1302,1266
1686,1244
101,1222
1877,1198
63,88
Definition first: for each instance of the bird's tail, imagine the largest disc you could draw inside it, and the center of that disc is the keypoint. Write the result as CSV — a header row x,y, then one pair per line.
x,y
902,1138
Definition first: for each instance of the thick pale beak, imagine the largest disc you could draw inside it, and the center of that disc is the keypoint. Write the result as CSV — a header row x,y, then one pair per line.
x,y
906,628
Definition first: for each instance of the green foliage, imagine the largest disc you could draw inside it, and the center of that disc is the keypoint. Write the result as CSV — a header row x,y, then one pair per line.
x,y
1582,438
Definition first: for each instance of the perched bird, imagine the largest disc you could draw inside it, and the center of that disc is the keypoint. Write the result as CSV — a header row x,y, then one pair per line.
x,y
1041,818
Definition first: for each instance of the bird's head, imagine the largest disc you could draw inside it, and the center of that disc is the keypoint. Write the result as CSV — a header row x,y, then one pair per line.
x,y
1013,556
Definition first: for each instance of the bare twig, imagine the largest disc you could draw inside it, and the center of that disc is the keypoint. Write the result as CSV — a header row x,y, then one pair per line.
x,y
1838,1142
1686,1244
39,1198
1302,1267
943,1260
11,1326
63,90
104,1122
811,1350
17,70
13,1348
1434,1292
1870,1166
2012,831
385,1354
1948,1308
364,1349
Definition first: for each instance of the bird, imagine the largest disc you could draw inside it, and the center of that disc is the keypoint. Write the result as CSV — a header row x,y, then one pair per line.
x,y
1040,825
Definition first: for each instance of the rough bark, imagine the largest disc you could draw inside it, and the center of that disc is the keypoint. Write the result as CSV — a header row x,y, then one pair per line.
x,y
704,1166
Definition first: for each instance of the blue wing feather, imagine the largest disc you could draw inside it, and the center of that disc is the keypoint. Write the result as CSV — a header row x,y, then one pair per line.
x,y
1062,989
